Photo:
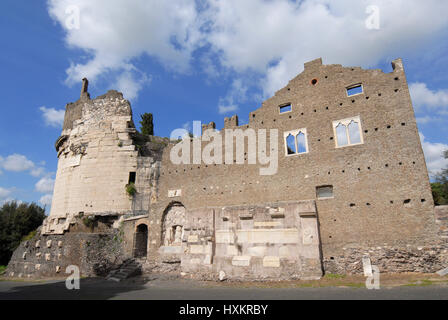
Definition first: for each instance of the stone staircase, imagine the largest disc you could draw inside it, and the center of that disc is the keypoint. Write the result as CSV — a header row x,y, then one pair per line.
x,y
129,268
442,220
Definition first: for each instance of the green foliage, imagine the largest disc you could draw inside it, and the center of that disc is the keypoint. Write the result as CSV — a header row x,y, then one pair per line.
x,y
440,187
29,236
16,222
147,125
131,189
2,270
89,222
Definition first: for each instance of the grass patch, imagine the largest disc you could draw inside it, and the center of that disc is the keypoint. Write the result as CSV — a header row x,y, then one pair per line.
x,y
29,236
334,276
2,270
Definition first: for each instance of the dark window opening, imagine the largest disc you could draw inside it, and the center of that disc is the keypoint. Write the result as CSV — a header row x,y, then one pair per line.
x,y
314,82
132,177
324,192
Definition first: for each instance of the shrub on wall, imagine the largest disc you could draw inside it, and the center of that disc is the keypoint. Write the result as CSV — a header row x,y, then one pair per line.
x,y
131,189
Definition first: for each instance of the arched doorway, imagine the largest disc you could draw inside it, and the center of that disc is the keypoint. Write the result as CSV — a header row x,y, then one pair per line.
x,y
141,241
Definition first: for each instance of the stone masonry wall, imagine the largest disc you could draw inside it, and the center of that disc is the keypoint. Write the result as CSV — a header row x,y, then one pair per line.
x,y
96,156
381,188
49,255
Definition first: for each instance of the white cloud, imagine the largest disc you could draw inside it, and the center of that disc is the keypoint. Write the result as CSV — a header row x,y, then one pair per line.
x,y
19,163
131,83
426,119
237,94
45,185
53,117
276,37
223,109
434,155
424,97
113,32
46,200
269,38
4,193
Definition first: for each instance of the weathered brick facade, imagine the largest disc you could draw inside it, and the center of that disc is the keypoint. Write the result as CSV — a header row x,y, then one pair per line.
x,y
215,218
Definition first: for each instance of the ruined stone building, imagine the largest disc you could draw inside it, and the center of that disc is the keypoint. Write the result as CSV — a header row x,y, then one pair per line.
x,y
351,182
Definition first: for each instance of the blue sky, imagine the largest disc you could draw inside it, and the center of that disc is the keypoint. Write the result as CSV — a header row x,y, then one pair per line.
x,y
197,60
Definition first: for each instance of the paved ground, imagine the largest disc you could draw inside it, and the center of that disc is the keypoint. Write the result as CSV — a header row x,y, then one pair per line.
x,y
157,289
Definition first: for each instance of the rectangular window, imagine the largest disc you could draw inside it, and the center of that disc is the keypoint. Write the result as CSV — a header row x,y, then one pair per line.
x,y
348,132
324,192
354,90
285,108
296,142
132,177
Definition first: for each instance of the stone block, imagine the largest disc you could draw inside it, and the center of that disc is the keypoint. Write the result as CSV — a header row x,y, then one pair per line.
x,y
268,236
196,249
224,236
195,261
267,224
256,251
271,262
193,238
284,252
174,193
49,243
241,261
171,249
232,251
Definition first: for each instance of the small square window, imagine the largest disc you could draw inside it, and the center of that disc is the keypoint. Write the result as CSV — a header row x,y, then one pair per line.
x,y
324,192
285,108
355,90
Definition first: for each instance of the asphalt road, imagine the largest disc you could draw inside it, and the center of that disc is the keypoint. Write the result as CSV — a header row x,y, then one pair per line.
x,y
139,289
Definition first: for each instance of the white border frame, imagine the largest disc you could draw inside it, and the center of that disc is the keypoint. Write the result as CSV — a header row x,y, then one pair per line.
x,y
346,122
295,133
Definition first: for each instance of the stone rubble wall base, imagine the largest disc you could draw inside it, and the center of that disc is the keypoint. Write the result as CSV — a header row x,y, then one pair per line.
x,y
47,256
424,259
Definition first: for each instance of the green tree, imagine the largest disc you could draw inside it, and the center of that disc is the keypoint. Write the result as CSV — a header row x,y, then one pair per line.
x,y
147,125
16,222
440,187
